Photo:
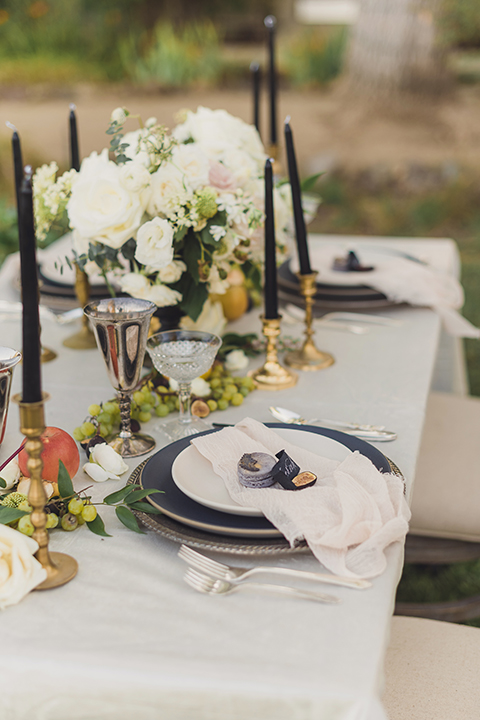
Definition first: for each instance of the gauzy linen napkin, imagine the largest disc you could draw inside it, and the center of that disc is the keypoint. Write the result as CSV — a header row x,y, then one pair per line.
x,y
348,518
401,280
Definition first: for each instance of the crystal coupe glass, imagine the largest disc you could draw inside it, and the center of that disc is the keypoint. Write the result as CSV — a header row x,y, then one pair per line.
x,y
183,355
121,328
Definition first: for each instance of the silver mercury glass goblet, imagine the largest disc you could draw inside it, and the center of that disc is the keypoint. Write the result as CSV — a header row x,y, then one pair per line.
x,y
183,355
121,329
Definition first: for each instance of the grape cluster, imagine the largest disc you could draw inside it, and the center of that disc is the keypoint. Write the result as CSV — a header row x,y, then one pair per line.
x,y
68,516
156,398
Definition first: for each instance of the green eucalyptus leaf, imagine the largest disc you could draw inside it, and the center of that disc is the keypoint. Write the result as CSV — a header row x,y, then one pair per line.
x,y
127,517
97,526
145,507
309,183
8,514
112,130
120,495
139,495
65,486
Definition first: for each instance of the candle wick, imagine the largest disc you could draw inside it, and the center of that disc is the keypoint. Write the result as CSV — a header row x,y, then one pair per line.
x,y
270,22
254,66
287,120
73,107
11,126
28,172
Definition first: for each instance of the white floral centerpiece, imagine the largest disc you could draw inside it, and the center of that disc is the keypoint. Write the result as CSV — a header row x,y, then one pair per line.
x,y
174,216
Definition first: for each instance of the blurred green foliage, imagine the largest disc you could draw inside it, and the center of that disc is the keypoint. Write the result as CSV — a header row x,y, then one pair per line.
x,y
174,58
459,22
315,56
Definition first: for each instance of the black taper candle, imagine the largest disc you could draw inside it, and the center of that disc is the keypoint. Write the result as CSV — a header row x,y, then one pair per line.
x,y
270,23
32,385
256,80
74,154
270,288
17,162
300,231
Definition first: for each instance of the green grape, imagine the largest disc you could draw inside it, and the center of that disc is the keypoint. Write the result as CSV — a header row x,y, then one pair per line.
x,y
227,396
237,399
161,410
138,397
80,519
69,522
244,390
161,389
215,383
145,408
145,416
176,404
88,429
52,521
248,383
135,414
110,407
222,404
25,525
78,434
104,430
231,389
94,410
75,506
171,405
105,418
89,513
217,394
212,404
25,506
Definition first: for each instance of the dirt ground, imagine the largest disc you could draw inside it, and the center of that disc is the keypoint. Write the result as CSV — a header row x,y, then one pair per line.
x,y
330,129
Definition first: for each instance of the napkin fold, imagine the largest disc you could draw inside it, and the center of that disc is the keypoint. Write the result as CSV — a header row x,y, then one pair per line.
x,y
348,517
402,280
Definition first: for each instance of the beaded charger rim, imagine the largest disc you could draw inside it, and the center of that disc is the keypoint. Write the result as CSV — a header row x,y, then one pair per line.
x,y
184,534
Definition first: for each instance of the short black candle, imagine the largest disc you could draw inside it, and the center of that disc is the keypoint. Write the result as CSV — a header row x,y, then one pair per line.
x,y
32,386
74,153
256,80
300,231
270,288
270,23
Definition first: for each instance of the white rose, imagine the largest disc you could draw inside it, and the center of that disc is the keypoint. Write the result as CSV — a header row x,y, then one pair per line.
x,y
136,178
211,319
216,285
155,243
135,284
151,122
236,360
103,457
200,387
102,207
119,115
20,572
242,166
172,272
11,474
194,164
162,295
169,190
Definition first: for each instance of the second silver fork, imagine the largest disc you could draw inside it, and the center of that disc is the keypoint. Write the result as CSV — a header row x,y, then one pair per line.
x,y
237,574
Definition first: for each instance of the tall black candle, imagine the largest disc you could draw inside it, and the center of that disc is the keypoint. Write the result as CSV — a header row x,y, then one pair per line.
x,y
300,231
32,386
256,80
17,161
74,154
270,23
270,288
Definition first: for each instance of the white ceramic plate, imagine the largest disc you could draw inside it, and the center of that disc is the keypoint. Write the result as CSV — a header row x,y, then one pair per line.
x,y
194,476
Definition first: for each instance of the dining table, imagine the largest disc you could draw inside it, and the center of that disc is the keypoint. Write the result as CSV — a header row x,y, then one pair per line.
x,y
128,638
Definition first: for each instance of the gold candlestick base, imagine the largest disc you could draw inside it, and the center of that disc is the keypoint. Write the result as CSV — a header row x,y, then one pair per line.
x,y
309,357
47,355
60,568
272,375
84,339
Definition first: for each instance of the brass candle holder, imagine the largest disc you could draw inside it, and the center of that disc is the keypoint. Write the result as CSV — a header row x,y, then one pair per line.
x,y
84,339
273,151
309,357
60,568
272,375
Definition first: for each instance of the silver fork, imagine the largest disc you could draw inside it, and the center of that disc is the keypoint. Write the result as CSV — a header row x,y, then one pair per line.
x,y
237,574
211,586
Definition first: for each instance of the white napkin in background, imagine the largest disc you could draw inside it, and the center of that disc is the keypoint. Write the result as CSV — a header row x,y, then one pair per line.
x,y
401,280
348,518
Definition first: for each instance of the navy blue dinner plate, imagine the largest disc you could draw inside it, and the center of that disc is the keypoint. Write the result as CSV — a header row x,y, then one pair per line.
x,y
156,474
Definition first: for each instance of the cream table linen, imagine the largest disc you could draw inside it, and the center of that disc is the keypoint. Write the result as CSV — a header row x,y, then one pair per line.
x,y
127,638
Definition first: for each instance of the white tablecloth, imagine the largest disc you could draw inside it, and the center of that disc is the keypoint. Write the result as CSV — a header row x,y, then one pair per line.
x,y
128,638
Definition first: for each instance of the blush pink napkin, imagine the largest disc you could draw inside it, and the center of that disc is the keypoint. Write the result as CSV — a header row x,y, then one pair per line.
x,y
348,517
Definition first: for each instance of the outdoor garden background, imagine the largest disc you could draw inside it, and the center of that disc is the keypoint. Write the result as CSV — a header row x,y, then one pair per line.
x,y
391,119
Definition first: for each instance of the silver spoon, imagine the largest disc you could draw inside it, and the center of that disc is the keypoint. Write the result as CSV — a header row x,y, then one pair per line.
x,y
370,432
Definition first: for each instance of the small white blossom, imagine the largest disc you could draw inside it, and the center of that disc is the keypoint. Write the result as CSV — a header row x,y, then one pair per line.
x,y
236,360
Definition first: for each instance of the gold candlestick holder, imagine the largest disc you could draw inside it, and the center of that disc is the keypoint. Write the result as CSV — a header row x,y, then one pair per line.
x,y
60,568
309,357
272,375
273,151
84,339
